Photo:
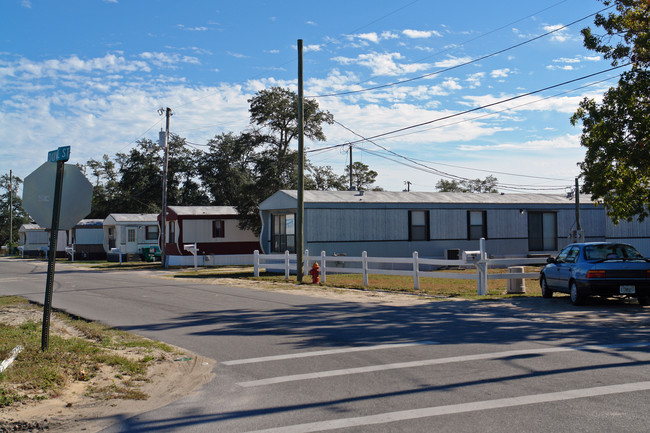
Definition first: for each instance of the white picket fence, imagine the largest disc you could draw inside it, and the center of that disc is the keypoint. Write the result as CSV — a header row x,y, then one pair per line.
x,y
287,262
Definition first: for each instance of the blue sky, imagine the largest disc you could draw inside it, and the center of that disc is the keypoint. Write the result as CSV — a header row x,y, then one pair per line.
x,y
92,74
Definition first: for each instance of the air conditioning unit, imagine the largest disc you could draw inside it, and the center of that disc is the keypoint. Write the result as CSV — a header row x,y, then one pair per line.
x,y
452,254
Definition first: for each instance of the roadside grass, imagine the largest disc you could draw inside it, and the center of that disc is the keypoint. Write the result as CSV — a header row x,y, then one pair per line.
x,y
431,287
38,375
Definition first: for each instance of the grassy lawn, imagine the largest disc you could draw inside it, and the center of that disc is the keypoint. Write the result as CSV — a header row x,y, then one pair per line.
x,y
76,355
436,287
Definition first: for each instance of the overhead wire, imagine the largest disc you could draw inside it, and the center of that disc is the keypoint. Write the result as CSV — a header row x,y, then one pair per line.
x,y
469,62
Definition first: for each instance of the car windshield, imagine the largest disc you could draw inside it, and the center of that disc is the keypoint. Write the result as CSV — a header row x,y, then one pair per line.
x,y
611,252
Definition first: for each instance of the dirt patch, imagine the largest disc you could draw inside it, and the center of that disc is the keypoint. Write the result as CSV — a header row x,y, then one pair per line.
x,y
169,378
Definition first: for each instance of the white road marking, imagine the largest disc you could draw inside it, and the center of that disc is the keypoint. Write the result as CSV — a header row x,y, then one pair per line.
x,y
325,352
459,408
427,362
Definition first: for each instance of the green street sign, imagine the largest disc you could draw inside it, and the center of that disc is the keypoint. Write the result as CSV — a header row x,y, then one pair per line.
x,y
60,154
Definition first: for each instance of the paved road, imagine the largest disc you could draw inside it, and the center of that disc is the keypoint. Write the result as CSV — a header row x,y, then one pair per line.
x,y
289,363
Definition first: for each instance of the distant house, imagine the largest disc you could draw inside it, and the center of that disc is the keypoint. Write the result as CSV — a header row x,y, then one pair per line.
x,y
86,238
436,224
130,233
214,229
34,240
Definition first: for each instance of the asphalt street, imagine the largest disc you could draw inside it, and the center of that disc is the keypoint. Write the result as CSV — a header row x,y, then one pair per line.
x,y
292,363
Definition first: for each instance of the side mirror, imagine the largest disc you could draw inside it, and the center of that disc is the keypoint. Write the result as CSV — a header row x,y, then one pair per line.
x,y
550,260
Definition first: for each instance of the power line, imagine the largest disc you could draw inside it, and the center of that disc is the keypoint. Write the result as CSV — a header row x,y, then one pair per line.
x,y
450,116
478,59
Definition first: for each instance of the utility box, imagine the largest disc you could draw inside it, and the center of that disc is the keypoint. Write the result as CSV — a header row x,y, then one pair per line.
x,y
516,285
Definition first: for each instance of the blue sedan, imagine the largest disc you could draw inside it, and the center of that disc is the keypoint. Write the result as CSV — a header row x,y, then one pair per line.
x,y
597,268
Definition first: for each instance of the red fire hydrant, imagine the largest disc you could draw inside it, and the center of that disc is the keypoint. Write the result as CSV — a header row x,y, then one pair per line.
x,y
315,273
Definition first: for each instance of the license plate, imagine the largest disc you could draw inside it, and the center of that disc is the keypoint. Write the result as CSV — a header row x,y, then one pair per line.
x,y
627,289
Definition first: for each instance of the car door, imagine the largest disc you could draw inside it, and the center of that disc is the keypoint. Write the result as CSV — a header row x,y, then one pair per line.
x,y
552,271
566,268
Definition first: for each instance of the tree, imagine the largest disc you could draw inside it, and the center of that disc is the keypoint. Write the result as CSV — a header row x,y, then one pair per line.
x,y
274,122
362,176
9,199
487,185
616,132
226,168
324,179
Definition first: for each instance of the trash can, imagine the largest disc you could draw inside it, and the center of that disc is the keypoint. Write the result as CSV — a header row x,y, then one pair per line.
x,y
147,255
516,285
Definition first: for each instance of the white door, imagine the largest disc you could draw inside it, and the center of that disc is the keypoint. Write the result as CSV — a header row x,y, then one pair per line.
x,y
131,239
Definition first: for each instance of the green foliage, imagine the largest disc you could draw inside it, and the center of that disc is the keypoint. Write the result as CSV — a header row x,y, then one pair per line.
x,y
362,177
10,209
487,185
616,132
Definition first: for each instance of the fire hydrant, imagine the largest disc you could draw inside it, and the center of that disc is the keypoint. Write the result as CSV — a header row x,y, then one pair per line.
x,y
315,273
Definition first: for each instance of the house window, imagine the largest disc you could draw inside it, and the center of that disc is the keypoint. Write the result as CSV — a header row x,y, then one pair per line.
x,y
542,231
283,237
172,232
476,224
418,225
218,229
151,233
130,235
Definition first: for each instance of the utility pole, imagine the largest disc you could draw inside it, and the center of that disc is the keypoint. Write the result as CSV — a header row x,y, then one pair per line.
x,y
351,168
579,234
11,210
300,212
163,219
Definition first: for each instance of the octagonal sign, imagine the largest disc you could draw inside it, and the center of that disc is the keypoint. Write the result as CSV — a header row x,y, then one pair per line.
x,y
38,195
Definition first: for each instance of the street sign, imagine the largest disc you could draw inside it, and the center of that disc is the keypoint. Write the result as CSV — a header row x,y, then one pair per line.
x,y
38,194
60,154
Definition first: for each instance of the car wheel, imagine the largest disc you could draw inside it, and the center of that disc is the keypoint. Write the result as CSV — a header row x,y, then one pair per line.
x,y
546,290
576,297
643,300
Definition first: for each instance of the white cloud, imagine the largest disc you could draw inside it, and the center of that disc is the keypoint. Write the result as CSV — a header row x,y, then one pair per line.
x,y
192,29
567,141
474,80
26,3
312,47
373,37
237,55
382,63
416,34
452,61
168,60
500,73
560,35
311,23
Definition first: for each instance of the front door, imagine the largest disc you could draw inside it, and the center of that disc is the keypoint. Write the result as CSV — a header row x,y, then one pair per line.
x,y
131,240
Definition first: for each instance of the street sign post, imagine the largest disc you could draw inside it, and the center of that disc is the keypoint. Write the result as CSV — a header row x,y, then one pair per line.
x,y
43,201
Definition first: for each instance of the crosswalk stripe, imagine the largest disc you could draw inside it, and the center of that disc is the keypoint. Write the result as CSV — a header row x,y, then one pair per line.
x,y
326,352
458,408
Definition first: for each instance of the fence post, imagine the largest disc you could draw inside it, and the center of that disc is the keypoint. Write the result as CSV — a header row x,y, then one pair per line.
x,y
286,265
416,271
482,270
323,270
256,263
364,265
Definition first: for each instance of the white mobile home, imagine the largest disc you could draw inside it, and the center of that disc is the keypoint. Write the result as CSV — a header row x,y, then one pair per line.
x,y
436,224
130,232
34,240
86,239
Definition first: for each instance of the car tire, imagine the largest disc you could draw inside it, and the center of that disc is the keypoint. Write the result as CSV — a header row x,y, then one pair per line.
x,y
576,297
643,300
546,290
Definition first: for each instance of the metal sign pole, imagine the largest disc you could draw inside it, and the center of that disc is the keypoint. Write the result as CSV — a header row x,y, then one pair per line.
x,y
54,231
